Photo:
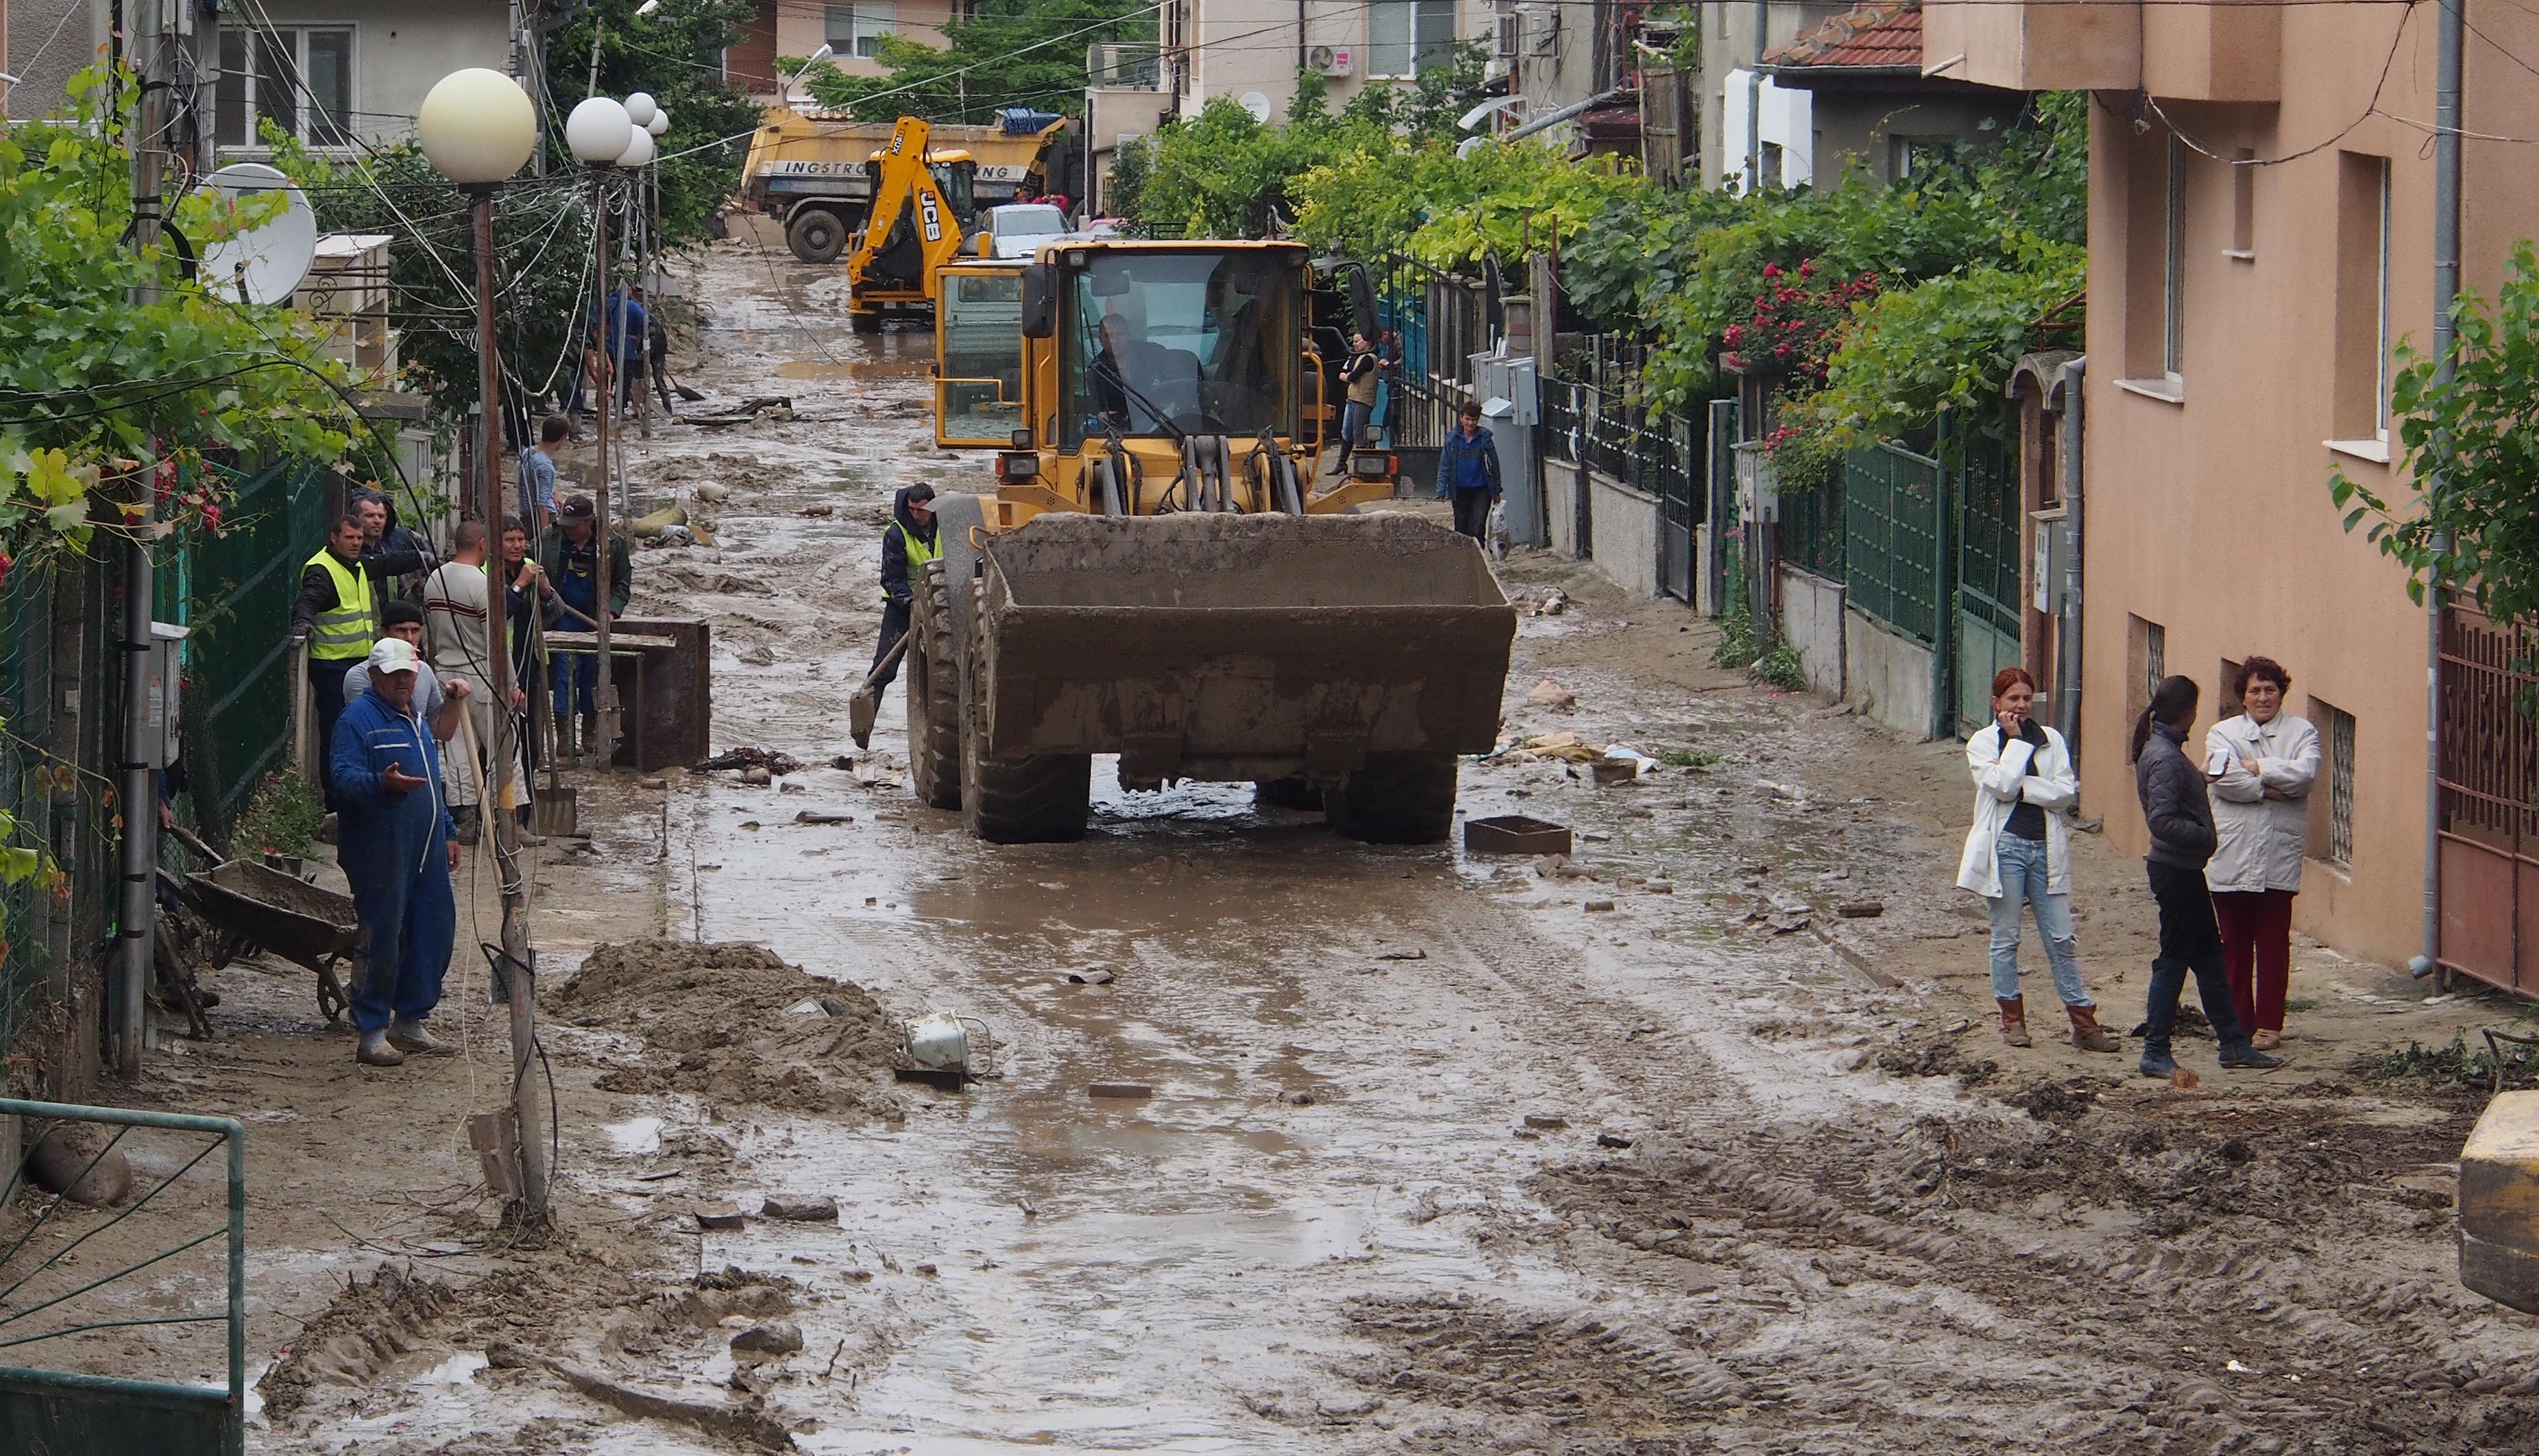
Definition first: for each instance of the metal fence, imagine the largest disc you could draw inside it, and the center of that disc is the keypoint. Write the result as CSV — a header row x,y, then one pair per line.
x,y
235,597
1811,531
26,701
2488,771
1892,538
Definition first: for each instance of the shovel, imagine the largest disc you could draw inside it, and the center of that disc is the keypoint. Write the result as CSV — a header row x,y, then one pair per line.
x,y
865,705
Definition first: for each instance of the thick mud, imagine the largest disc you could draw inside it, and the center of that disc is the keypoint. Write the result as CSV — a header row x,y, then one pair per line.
x,y
733,1023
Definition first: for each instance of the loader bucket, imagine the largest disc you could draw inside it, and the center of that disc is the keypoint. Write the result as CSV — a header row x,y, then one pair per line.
x,y
1238,646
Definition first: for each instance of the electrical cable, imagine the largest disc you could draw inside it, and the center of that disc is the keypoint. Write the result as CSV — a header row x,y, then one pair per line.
x,y
2152,103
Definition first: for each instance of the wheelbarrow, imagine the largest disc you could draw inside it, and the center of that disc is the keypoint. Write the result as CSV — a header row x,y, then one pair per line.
x,y
305,923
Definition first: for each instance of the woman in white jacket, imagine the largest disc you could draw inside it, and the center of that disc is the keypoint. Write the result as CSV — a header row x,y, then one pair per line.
x,y
2019,853
2267,760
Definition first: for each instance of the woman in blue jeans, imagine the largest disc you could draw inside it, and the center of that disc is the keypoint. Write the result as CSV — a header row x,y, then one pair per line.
x,y
2018,855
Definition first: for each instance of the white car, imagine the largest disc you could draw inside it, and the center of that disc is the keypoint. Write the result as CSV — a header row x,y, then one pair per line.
x,y
1020,228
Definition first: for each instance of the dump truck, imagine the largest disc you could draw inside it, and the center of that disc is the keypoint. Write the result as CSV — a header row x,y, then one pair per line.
x,y
925,200
813,172
1155,575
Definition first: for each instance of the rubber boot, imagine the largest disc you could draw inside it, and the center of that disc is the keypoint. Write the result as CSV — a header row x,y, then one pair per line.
x,y
465,816
2013,1020
376,1051
2086,1034
2212,985
2168,979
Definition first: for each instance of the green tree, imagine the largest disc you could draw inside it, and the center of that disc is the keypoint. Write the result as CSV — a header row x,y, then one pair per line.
x,y
2479,431
675,55
1006,53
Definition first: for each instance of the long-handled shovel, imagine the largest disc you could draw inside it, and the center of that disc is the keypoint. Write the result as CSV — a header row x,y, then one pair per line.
x,y
865,705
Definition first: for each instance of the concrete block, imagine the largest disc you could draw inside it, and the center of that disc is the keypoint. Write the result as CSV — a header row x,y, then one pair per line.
x,y
1812,612
2498,1203
1625,522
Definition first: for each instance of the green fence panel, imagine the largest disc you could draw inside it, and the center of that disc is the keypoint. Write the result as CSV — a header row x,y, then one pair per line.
x,y
28,696
237,588
1812,532
1989,522
1892,538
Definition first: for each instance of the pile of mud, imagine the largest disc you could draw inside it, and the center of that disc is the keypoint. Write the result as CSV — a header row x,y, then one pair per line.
x,y
716,1022
370,1323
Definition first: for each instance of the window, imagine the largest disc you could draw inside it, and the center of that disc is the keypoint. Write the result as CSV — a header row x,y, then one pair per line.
x,y
2361,373
2145,662
1407,37
2331,836
1773,165
2225,702
2155,265
2244,205
857,30
300,79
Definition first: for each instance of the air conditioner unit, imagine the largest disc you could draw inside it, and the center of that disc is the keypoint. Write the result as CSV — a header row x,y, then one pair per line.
x,y
1330,60
1542,28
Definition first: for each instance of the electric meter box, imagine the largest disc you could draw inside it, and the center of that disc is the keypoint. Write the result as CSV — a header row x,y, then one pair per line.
x,y
2051,559
166,691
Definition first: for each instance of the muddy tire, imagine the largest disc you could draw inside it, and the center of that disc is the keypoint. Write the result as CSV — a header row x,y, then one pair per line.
x,y
933,672
1295,791
1045,799
1396,799
816,235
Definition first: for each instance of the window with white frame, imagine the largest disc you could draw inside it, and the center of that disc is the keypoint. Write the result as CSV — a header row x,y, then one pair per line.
x,y
2360,378
1407,37
299,78
857,30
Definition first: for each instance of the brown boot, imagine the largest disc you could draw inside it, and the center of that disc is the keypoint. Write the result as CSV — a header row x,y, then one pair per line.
x,y
2013,1020
2086,1034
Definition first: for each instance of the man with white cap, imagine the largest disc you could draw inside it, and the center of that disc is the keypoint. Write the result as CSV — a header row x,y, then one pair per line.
x,y
395,841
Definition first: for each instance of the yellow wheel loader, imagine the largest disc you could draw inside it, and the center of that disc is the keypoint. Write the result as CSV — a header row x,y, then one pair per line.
x,y
922,201
1154,576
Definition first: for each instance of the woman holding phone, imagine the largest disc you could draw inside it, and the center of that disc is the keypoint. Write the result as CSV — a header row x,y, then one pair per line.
x,y
2263,763
2181,818
2018,856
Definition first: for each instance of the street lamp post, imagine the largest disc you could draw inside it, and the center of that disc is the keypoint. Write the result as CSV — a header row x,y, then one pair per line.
x,y
478,128
600,131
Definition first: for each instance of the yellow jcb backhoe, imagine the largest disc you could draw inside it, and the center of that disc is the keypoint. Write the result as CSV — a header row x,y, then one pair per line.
x,y
1153,576
922,201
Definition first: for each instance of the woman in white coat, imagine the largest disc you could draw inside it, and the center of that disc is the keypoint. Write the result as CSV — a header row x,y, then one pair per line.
x,y
2266,760
2018,856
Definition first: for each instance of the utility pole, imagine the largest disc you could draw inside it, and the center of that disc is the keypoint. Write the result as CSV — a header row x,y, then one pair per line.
x,y
604,689
164,46
2448,116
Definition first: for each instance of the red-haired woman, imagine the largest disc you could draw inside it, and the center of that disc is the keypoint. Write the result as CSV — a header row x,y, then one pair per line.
x,y
2018,855
2267,760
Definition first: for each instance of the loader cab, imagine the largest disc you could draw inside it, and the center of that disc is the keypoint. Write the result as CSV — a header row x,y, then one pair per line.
x,y
956,176
979,355
1159,341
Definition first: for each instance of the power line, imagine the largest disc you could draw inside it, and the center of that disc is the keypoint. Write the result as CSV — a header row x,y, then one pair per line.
x,y
2152,103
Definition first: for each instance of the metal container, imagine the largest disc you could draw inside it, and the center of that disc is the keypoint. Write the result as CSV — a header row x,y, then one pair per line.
x,y
939,1041
1515,834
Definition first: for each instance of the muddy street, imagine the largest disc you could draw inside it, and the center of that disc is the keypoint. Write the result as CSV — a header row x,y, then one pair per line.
x,y
1291,1144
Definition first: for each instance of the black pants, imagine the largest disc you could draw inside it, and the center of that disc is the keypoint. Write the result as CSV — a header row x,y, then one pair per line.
x,y
2190,941
894,626
326,696
1472,513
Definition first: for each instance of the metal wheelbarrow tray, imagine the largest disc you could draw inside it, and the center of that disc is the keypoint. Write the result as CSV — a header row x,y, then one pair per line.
x,y
300,923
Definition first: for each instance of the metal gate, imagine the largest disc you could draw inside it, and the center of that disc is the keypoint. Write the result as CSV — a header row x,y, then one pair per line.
x,y
1988,519
2488,771
1679,510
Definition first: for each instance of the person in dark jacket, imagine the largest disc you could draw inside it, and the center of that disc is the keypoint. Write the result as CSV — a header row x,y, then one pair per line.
x,y
908,543
2181,818
337,613
1468,474
568,556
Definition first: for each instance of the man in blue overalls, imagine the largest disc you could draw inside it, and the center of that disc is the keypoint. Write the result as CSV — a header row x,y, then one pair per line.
x,y
568,554
394,838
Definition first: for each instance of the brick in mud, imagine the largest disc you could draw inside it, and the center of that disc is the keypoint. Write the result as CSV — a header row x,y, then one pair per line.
x,y
721,1215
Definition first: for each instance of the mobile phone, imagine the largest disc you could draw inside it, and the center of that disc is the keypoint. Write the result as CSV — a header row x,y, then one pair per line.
x,y
2219,763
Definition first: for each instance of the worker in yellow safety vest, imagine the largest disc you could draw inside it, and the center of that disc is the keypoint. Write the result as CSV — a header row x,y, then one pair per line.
x,y
908,543
337,616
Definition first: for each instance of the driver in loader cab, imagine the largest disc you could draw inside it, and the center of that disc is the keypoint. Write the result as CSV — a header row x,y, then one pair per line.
x,y
907,544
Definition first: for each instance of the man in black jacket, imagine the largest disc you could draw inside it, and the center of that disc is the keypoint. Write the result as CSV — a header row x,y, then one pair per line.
x,y
908,543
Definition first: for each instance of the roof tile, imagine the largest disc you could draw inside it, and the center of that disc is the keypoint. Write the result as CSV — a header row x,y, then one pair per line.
x,y
1879,33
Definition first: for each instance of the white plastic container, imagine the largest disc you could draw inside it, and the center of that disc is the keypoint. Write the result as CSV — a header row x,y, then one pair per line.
x,y
939,1040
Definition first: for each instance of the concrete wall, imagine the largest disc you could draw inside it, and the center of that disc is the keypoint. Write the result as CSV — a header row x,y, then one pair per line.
x,y
1812,613
1729,42
1560,506
2191,484
1625,526
802,27
400,51
1855,125
1886,676
1245,45
47,40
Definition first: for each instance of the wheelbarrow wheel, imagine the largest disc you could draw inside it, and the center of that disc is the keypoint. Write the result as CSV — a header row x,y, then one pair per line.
x,y
332,1000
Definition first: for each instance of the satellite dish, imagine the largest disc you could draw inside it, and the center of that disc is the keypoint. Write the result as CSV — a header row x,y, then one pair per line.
x,y
265,263
1257,104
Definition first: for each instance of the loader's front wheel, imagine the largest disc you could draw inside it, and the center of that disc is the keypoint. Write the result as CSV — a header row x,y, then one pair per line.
x,y
933,676
1044,798
1396,799
1295,791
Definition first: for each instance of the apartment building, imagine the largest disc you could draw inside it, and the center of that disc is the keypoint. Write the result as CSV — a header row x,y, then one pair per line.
x,y
853,33
2261,224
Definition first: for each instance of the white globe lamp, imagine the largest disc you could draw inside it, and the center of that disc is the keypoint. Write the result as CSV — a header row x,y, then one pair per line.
x,y
660,124
639,150
477,127
599,131
640,108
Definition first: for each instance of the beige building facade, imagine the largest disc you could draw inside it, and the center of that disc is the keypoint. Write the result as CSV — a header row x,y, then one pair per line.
x,y
2261,224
